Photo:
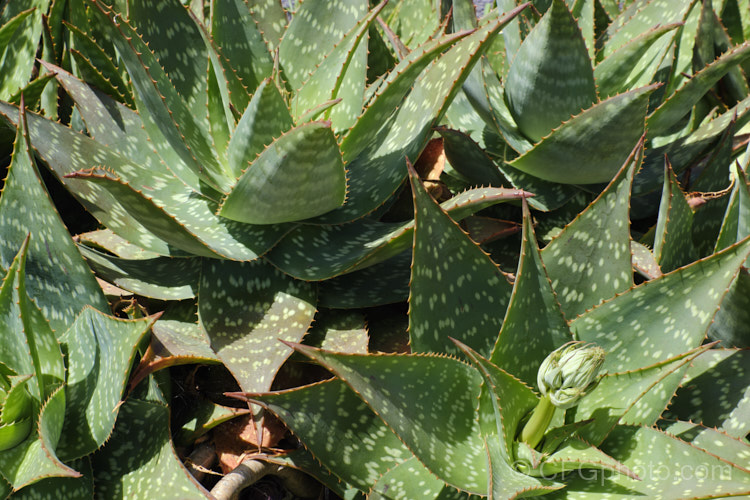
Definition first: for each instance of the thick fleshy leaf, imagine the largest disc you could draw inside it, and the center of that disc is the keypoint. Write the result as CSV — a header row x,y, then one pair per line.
x,y
321,252
341,75
240,41
339,331
411,479
139,460
644,334
377,170
716,392
101,350
411,394
673,245
590,147
316,27
106,241
469,159
734,451
57,278
265,118
271,19
550,78
167,117
534,324
164,278
634,64
666,466
445,301
275,307
680,103
578,455
300,175
589,261
19,43
731,320
632,397
35,458
62,487
339,429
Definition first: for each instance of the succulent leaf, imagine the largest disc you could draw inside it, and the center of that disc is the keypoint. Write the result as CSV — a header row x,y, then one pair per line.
x,y
590,147
410,479
444,301
591,270
713,441
101,350
57,278
299,176
550,78
246,339
19,38
673,246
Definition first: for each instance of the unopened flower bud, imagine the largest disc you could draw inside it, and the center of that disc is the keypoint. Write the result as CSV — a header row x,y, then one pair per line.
x,y
568,371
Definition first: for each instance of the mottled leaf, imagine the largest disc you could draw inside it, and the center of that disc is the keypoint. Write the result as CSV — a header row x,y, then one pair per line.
x,y
339,331
673,245
410,479
246,308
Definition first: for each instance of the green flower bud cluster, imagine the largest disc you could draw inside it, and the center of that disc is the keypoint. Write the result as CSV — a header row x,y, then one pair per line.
x,y
568,371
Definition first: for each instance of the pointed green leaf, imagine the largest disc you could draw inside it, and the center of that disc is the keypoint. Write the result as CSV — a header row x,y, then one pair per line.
x,y
578,455
58,279
315,29
265,118
634,64
666,466
717,443
271,19
633,397
107,241
298,176
445,300
377,171
716,392
62,487
35,458
246,339
167,117
342,75
19,43
411,393
321,252
240,41
589,261
551,78
101,350
139,460
673,245
410,479
680,103
731,320
644,334
590,147
469,159
339,331
534,325
161,278
339,429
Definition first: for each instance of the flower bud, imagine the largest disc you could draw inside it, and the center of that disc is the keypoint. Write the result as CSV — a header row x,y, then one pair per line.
x,y
568,371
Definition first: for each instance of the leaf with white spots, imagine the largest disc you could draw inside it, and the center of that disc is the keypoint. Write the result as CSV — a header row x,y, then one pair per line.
x,y
316,27
684,98
673,245
339,429
635,397
34,459
298,176
19,42
240,41
105,240
550,78
320,252
167,117
61,488
428,401
534,325
165,278
589,261
247,308
456,290
663,317
377,169
410,479
265,118
413,21
139,460
339,331
716,392
101,350
384,283
667,467
504,402
341,74
56,276
578,455
271,19
735,451
590,147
